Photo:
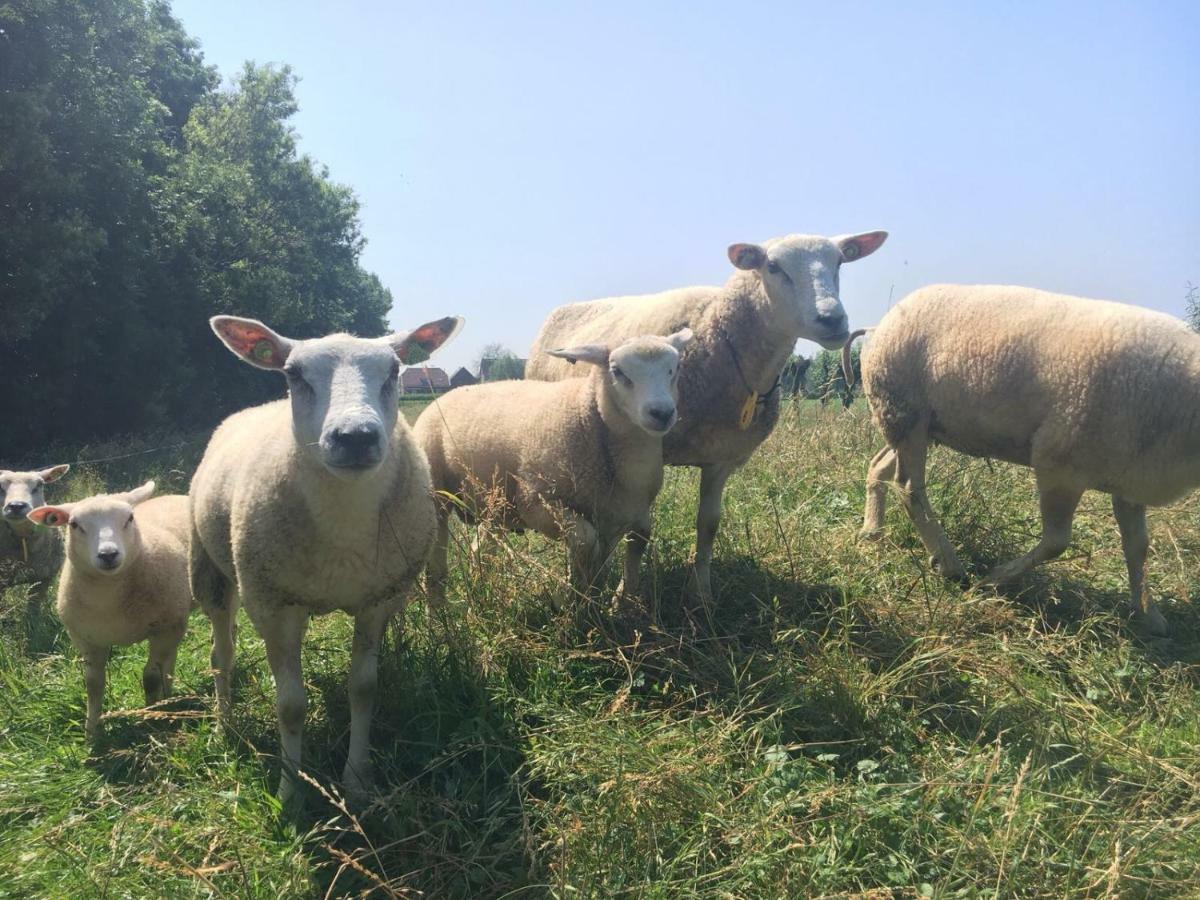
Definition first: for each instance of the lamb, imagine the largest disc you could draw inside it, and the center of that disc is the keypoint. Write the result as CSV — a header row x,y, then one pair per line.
x,y
125,580
40,550
312,504
579,459
745,332
1091,394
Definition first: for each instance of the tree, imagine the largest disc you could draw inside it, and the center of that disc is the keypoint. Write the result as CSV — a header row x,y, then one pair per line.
x,y
1192,304
497,363
136,200
791,380
825,379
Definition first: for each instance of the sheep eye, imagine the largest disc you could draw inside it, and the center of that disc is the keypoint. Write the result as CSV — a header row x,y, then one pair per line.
x,y
75,526
129,521
621,376
773,267
293,372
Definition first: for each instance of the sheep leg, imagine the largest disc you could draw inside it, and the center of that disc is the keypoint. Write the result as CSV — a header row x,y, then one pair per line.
x,y
438,567
1135,541
224,627
282,632
160,664
881,470
364,678
1058,512
708,519
94,661
636,542
583,543
910,475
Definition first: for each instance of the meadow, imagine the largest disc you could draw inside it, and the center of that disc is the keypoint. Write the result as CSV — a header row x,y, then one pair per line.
x,y
839,723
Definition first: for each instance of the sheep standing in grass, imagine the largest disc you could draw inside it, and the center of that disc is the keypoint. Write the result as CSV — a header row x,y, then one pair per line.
x,y
125,581
1091,394
313,504
21,541
578,459
745,332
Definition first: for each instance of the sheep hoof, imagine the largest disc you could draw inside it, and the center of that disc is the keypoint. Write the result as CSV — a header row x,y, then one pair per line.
x,y
1152,622
870,535
954,572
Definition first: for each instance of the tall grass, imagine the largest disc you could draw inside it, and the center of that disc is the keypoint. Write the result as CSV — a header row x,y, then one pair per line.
x,y
838,723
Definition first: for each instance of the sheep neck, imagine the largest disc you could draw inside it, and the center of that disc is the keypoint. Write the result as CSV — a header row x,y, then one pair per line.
x,y
620,439
747,331
328,497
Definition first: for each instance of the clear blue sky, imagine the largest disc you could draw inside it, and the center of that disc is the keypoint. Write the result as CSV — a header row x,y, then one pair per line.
x,y
514,156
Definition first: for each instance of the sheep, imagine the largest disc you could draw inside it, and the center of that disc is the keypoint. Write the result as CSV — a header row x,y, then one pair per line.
x,y
38,549
1093,395
312,504
579,459
784,289
125,580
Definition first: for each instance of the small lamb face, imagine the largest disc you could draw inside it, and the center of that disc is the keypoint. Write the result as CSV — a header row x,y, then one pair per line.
x,y
344,390
21,492
102,533
800,275
643,376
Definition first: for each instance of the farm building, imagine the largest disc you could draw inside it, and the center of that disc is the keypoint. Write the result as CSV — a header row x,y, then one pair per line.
x,y
424,380
499,368
462,378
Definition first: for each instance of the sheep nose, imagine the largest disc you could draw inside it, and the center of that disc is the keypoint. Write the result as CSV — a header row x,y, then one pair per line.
x,y
835,322
16,509
661,415
356,438
108,555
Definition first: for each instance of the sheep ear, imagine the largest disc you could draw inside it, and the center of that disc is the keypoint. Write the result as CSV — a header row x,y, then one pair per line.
x,y
747,256
856,246
253,341
418,345
138,494
596,354
53,473
54,516
680,339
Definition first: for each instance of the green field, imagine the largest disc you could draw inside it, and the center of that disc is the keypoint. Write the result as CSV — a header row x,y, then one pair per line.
x,y
839,723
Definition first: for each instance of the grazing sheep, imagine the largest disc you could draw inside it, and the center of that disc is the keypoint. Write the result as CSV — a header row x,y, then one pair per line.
x,y
313,504
579,459
745,332
125,580
1091,394
38,549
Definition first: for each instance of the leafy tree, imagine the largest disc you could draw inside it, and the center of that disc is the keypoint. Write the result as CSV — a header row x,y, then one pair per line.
x,y
1192,301
825,379
791,381
136,200
500,363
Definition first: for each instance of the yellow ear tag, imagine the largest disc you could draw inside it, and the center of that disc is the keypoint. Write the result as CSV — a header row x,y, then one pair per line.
x,y
747,415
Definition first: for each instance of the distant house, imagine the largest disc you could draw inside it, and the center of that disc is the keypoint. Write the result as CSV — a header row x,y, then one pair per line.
x,y
462,377
424,380
498,368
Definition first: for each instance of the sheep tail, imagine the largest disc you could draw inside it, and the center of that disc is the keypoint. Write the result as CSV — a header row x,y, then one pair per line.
x,y
847,364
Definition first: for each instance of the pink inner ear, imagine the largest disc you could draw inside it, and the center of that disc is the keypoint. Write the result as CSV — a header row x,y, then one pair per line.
x,y
48,515
861,245
251,341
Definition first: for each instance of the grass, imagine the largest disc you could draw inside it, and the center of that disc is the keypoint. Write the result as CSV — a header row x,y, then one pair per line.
x,y
839,723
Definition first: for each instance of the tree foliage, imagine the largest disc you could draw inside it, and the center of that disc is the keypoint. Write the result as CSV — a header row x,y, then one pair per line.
x,y
137,199
825,380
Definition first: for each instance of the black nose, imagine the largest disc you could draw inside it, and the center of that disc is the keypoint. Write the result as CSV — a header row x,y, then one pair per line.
x,y
108,554
661,415
832,321
16,508
357,438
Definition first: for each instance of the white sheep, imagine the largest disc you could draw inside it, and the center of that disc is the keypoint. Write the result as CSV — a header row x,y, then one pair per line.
x,y
125,580
785,289
313,504
1093,395
579,459
40,550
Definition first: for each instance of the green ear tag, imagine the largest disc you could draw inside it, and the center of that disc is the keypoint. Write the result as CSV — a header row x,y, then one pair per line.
x,y
416,354
264,350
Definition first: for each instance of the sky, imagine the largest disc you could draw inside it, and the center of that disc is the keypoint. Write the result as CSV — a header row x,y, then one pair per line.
x,y
511,157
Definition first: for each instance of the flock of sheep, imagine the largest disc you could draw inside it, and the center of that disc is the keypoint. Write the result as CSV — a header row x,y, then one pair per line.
x,y
327,500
